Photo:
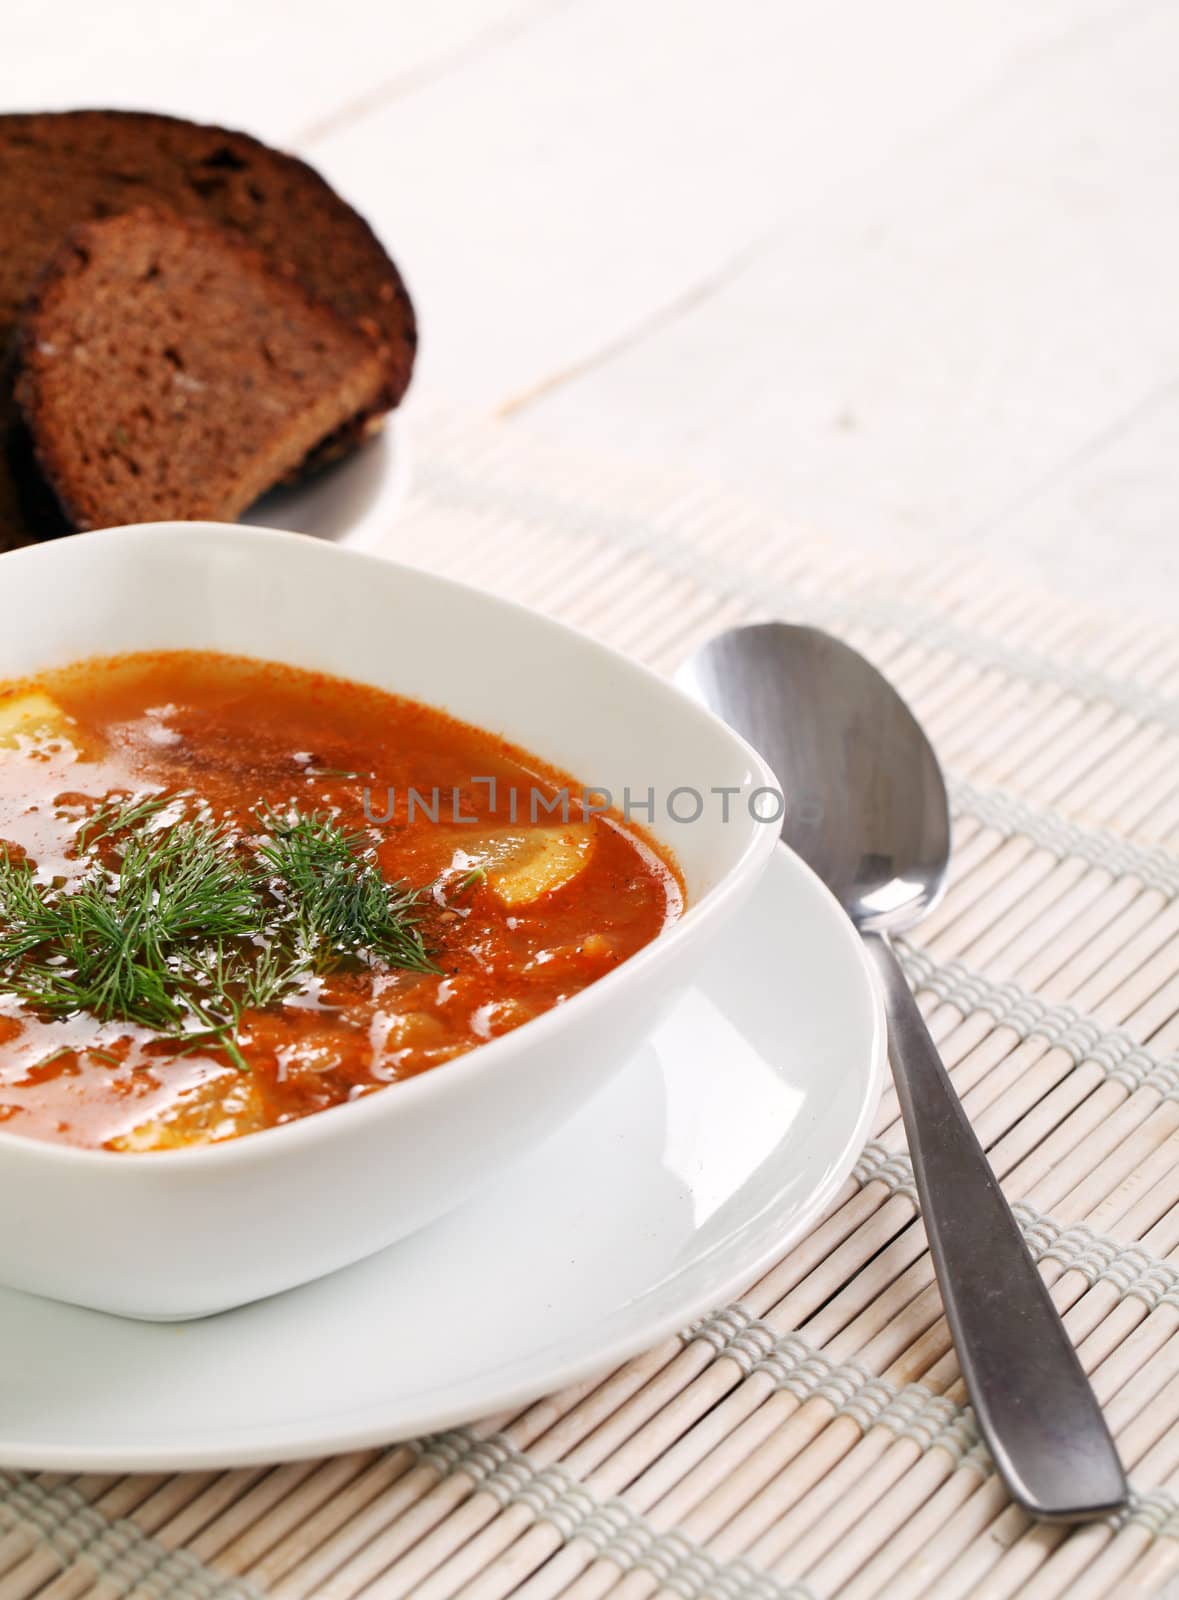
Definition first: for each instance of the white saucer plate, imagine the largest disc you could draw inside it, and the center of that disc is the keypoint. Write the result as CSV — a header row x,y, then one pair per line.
x,y
352,503
694,1170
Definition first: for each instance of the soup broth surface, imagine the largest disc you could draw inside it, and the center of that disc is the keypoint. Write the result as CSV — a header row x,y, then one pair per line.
x,y
519,899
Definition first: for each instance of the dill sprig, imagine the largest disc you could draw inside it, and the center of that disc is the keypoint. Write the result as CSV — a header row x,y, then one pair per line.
x,y
182,929
118,813
337,902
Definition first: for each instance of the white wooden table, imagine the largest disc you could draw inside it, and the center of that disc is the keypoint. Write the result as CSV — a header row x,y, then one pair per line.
x,y
906,272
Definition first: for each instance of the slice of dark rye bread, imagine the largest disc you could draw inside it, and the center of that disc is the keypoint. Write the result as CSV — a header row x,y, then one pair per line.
x,y
165,370
61,168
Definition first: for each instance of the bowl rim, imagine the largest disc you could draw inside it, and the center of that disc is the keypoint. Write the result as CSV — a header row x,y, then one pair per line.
x,y
450,1077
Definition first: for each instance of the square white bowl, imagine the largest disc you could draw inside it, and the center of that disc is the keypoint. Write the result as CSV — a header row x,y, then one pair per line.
x,y
188,1232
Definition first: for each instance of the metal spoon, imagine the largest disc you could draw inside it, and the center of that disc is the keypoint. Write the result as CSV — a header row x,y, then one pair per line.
x,y
866,807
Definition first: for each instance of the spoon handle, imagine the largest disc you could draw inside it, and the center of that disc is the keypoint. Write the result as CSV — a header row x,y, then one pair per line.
x,y
1035,1409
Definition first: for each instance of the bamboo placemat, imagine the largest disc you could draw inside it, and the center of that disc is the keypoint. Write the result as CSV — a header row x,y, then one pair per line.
x,y
813,1440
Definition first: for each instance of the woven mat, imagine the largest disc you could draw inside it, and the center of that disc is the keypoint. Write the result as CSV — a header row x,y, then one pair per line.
x,y
813,1440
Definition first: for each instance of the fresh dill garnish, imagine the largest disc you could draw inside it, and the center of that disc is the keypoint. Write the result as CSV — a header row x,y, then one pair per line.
x,y
26,919
182,929
116,815
54,1055
337,902
470,879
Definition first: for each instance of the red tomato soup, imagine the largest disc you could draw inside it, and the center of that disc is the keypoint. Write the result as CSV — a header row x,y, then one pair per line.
x,y
234,893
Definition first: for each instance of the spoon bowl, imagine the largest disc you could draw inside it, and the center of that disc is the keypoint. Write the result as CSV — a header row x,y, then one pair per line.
x,y
866,803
